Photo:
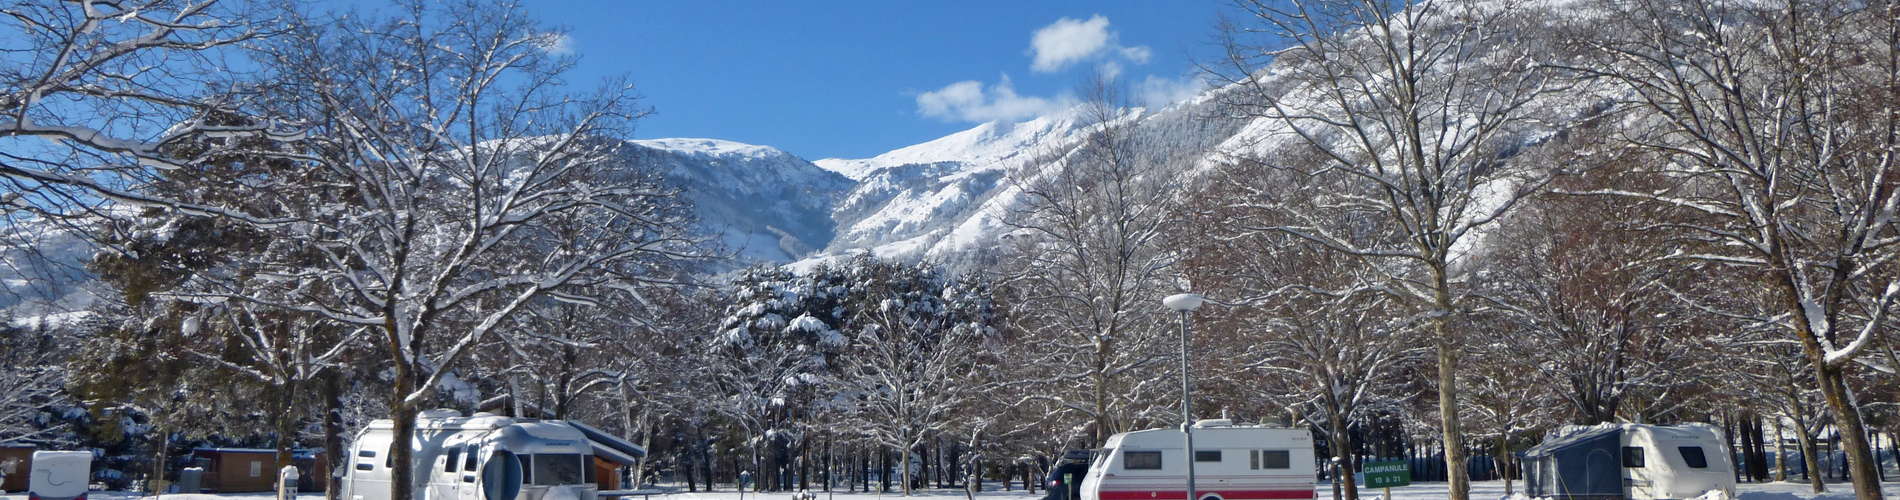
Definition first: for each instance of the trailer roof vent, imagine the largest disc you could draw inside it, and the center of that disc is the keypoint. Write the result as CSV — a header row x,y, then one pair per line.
x,y
1214,422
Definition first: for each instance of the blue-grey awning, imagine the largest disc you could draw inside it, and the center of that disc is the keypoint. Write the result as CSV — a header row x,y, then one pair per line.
x,y
609,446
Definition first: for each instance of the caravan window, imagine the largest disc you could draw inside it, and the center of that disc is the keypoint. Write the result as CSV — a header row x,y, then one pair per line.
x,y
455,455
1141,460
1207,455
1276,459
557,468
1693,456
1633,457
587,470
468,463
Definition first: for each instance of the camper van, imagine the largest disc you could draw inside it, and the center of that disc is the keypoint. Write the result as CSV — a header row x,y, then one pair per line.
x,y
1231,462
1632,461
481,457
60,475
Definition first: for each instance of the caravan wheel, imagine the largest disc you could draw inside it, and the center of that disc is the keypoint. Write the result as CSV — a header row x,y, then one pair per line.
x,y
1211,496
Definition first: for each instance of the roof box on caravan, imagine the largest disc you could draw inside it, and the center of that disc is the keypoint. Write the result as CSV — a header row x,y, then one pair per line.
x,y
1214,422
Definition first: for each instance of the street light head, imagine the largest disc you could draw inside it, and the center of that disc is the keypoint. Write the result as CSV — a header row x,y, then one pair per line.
x,y
1183,302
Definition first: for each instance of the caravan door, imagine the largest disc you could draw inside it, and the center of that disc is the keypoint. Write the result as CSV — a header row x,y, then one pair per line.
x,y
468,485
1638,480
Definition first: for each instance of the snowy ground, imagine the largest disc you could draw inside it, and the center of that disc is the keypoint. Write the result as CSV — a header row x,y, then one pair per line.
x,y
1485,490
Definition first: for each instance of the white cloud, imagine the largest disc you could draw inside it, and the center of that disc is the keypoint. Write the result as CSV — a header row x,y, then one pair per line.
x,y
969,101
559,44
1139,54
1157,92
1068,41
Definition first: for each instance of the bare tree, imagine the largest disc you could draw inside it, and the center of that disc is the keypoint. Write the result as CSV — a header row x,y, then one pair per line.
x,y
453,149
1422,102
1085,268
1586,312
107,86
1779,126
1313,330
284,353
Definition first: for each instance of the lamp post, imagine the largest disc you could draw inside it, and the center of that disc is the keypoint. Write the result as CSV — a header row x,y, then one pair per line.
x,y
1186,303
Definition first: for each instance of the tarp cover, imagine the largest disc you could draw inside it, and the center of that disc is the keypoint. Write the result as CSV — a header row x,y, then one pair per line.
x,y
1576,463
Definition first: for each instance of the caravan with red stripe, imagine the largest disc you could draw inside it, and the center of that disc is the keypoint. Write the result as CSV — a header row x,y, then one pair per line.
x,y
1231,462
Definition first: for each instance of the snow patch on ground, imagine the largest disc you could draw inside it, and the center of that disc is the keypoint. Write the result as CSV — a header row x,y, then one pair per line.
x,y
1485,490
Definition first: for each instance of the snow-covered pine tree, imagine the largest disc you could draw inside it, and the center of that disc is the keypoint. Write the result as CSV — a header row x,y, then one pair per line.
x,y
769,358
914,351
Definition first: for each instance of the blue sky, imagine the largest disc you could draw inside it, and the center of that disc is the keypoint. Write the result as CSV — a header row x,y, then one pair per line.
x,y
856,78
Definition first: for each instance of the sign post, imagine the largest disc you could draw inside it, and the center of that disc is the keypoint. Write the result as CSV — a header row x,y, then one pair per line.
x,y
1386,474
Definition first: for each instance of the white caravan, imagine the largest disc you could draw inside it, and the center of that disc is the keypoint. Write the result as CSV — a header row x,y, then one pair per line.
x,y
481,457
1231,462
59,475
1676,461
1634,461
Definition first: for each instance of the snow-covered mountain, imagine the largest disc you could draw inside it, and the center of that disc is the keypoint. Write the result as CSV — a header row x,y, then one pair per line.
x,y
942,200
945,200
762,203
938,199
43,272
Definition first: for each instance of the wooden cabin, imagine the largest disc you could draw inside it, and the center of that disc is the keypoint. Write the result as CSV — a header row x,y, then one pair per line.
x,y
239,470
16,463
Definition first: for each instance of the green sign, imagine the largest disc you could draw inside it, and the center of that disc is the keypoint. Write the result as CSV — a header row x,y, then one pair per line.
x,y
1386,473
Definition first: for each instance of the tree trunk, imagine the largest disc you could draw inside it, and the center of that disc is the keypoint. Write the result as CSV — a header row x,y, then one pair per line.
x,y
905,464
884,474
286,432
158,460
1341,446
333,450
1781,452
1761,445
1750,466
758,479
1810,456
1100,377
1459,484
646,443
690,464
402,477
1860,459
1507,462
705,459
